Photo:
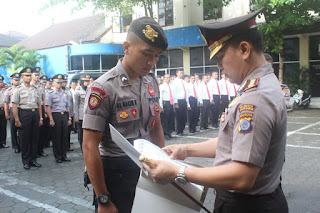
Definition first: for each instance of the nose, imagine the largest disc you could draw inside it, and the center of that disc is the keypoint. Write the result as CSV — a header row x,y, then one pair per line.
x,y
152,60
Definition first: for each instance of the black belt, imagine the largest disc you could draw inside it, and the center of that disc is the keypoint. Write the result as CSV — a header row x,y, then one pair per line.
x,y
62,113
29,110
235,195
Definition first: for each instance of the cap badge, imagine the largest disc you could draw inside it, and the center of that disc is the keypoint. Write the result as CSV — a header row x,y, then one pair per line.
x,y
59,76
28,70
150,33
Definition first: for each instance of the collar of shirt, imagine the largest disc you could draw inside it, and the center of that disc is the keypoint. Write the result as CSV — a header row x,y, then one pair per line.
x,y
259,72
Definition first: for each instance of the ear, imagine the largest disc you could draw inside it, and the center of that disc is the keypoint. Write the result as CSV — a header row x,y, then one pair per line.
x,y
245,49
125,47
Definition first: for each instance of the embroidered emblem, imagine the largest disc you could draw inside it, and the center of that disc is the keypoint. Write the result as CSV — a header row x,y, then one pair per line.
x,y
151,90
124,79
150,33
100,91
94,100
123,114
247,107
222,118
245,125
284,91
153,122
156,109
253,83
134,112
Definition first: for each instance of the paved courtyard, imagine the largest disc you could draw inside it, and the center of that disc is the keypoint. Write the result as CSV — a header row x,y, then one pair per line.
x,y
59,187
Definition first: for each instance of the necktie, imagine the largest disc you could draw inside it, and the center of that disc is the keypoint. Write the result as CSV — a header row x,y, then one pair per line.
x,y
208,91
185,94
194,91
218,87
227,87
171,98
235,90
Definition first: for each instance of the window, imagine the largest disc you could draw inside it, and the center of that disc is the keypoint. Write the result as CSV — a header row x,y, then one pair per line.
x,y
171,60
165,12
291,49
92,62
314,45
200,61
76,63
212,10
109,61
120,24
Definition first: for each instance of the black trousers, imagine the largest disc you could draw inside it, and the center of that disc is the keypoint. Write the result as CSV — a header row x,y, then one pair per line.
x,y
60,135
14,132
121,177
192,114
69,131
29,135
224,103
205,114
80,133
215,109
3,126
181,115
43,132
167,118
227,202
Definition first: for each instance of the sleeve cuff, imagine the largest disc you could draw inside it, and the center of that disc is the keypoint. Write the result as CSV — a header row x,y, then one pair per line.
x,y
93,122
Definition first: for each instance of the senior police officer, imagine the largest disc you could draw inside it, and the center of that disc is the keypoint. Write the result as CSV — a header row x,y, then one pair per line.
x,y
79,97
127,97
249,152
28,121
57,106
15,81
3,121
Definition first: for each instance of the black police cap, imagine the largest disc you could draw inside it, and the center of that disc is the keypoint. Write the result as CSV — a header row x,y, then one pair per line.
x,y
26,71
44,78
58,78
85,77
36,70
218,34
149,31
15,76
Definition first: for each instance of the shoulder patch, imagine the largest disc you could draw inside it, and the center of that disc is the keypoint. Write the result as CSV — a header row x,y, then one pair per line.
x,y
252,84
247,107
94,101
245,123
99,90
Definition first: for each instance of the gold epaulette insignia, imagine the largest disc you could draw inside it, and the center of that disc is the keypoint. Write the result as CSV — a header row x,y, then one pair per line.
x,y
235,100
252,84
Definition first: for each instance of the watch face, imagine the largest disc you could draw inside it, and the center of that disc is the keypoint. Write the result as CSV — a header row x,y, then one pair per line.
x,y
103,198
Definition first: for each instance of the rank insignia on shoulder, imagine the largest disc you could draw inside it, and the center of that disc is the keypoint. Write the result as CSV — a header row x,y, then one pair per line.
x,y
245,125
123,114
235,100
99,90
153,122
156,109
151,90
252,84
94,100
134,112
247,107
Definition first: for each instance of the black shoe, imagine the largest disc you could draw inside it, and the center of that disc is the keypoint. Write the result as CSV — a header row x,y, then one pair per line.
x,y
3,146
43,154
166,137
26,166
47,145
180,134
192,131
70,150
203,128
35,164
58,160
66,159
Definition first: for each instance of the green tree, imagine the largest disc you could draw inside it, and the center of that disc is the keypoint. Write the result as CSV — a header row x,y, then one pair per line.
x,y
31,58
280,16
212,6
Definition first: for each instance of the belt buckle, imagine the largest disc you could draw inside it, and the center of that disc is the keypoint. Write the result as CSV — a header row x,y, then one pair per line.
x,y
33,110
62,113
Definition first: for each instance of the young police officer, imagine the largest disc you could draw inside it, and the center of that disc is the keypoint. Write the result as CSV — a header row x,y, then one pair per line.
x,y
127,97
249,152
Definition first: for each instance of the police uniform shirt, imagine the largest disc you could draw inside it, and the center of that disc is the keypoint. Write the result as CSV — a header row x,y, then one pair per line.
x,y
2,97
58,101
70,101
214,87
26,98
165,93
41,90
113,99
253,129
79,97
8,96
204,94
180,90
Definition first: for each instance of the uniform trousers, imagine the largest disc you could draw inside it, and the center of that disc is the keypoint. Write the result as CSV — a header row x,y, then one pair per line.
x,y
166,118
181,115
80,133
29,135
69,131
205,114
227,202
215,110
60,135
14,132
3,127
121,177
224,103
43,132
192,114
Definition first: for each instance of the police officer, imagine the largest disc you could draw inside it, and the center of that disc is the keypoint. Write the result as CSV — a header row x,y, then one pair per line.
x,y
249,153
15,81
57,106
42,130
28,120
215,91
224,93
70,114
79,97
127,96
193,101
46,120
3,121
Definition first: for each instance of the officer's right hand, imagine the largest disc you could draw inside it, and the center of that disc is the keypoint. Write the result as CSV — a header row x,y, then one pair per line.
x,y
176,105
7,117
162,110
18,124
201,105
177,151
52,123
109,208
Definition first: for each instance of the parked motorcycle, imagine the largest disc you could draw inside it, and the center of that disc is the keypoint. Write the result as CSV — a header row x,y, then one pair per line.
x,y
301,99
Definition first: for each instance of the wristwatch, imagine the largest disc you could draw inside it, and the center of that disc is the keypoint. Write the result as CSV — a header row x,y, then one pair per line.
x,y
41,119
181,177
104,198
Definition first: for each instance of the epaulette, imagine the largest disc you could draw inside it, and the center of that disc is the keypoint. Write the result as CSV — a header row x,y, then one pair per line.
x,y
249,84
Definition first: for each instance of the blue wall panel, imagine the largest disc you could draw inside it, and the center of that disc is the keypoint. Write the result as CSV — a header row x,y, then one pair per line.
x,y
184,36
55,62
96,49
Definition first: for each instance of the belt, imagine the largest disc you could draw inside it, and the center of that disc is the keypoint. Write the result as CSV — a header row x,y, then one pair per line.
x,y
62,113
1,108
234,195
30,110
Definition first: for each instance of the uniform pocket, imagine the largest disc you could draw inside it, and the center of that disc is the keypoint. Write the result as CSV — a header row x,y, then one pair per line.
x,y
225,136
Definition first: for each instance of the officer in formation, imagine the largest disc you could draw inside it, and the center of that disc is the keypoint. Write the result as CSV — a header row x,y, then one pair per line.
x,y
193,101
70,113
28,119
249,151
79,97
205,100
48,88
57,109
215,91
3,121
15,81
127,97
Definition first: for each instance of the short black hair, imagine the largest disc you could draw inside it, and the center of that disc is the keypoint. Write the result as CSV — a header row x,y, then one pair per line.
x,y
252,36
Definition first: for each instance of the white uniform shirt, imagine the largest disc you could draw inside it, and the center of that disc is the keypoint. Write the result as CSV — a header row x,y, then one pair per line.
x,y
180,90
204,93
224,90
214,87
165,93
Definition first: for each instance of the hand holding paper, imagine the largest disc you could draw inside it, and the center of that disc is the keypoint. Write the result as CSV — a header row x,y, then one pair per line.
x,y
178,151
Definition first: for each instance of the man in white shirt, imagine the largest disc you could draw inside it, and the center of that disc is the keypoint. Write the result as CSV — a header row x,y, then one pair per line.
x,y
166,104
193,101
215,92
205,99
224,92
181,103
232,89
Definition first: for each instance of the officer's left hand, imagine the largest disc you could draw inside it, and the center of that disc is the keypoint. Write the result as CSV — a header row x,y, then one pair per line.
x,y
164,173
189,108
7,117
40,123
212,102
69,122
